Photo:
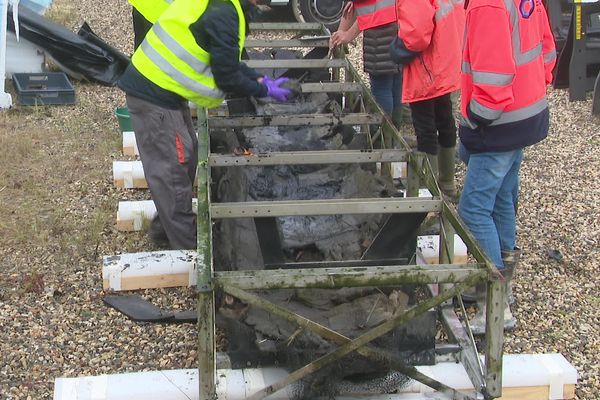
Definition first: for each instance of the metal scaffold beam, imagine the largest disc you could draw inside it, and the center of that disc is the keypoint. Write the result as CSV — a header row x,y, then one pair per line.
x,y
452,279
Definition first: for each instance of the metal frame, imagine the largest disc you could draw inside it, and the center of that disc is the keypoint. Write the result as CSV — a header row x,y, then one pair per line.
x,y
486,379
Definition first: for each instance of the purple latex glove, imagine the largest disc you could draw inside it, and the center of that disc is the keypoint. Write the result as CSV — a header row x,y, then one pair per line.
x,y
273,90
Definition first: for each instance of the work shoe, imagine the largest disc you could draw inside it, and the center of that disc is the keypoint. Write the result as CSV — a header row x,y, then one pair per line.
x,y
446,162
157,234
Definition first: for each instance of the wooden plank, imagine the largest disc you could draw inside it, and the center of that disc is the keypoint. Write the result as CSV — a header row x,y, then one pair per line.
x,y
532,393
138,183
151,282
569,392
129,144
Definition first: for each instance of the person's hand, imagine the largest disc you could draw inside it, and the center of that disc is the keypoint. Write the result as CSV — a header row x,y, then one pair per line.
x,y
338,38
275,90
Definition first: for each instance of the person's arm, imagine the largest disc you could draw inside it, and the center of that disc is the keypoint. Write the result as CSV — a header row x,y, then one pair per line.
x,y
220,30
250,72
492,64
347,30
415,23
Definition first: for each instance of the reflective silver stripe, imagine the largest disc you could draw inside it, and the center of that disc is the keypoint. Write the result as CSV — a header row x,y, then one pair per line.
x,y
511,116
181,53
551,56
528,56
522,113
379,5
492,78
168,1
444,7
483,111
488,78
177,75
466,67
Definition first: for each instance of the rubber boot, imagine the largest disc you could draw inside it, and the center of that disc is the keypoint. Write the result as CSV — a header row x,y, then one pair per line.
x,y
446,162
478,322
511,261
433,160
397,117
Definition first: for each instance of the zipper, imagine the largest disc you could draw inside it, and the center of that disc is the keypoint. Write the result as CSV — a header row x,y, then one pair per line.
x,y
426,69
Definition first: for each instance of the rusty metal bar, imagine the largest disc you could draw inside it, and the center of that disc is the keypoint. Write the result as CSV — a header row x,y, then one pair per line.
x,y
205,306
335,278
308,157
297,64
494,336
468,355
283,43
287,26
334,87
286,208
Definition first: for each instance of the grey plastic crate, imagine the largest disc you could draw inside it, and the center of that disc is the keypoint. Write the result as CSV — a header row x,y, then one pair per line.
x,y
43,88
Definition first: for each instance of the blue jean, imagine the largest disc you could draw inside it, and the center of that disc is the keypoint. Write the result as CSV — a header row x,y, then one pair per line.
x,y
488,200
387,90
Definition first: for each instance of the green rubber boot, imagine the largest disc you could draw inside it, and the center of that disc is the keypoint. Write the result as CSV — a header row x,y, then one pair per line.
x,y
446,162
433,160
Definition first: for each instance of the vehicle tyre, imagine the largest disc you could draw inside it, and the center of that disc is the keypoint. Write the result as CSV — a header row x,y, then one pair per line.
x,y
326,12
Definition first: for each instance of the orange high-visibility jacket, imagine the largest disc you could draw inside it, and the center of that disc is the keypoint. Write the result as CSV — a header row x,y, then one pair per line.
x,y
374,13
435,28
508,58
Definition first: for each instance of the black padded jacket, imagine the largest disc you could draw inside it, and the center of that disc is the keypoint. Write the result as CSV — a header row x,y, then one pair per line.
x,y
376,50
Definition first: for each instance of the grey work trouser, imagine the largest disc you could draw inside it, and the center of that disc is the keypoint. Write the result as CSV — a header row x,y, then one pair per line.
x,y
168,148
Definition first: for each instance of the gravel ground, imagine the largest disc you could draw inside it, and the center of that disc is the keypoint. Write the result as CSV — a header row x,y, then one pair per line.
x,y
52,320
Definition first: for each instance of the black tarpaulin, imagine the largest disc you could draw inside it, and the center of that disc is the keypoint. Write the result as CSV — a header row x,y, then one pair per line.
x,y
83,55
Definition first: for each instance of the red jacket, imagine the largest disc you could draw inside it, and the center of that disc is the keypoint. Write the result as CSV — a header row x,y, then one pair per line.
x,y
504,89
435,28
374,13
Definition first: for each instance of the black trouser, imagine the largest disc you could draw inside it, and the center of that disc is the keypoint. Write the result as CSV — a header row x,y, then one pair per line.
x,y
434,123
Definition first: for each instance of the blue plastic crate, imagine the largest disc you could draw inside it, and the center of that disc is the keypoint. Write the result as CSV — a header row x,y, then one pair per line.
x,y
43,88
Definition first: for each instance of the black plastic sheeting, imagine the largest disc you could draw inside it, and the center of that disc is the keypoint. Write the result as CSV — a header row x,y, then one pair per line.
x,y
83,56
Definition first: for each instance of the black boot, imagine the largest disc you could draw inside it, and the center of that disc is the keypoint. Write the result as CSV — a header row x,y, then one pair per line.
x,y
157,234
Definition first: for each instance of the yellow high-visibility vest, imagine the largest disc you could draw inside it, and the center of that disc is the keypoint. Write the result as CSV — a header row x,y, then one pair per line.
x,y
170,57
150,9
